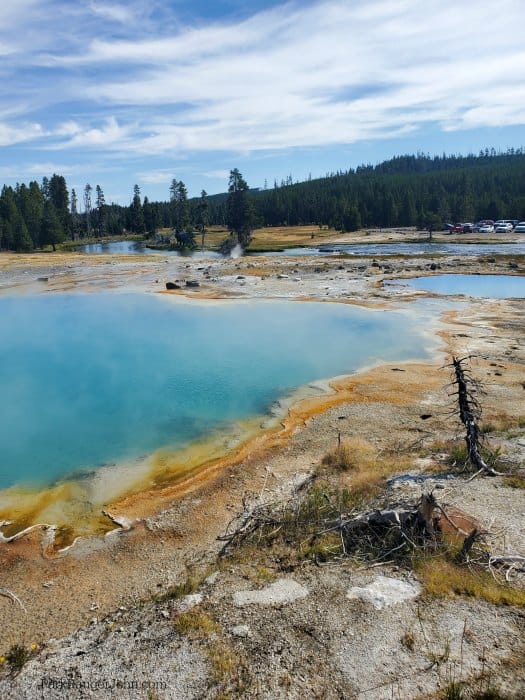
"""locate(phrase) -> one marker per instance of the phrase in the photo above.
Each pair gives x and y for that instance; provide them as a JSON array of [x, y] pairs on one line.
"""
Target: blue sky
[[118, 93]]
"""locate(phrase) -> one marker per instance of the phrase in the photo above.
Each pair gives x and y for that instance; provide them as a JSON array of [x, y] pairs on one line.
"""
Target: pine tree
[[59, 196], [8, 214], [100, 211], [75, 223], [202, 215], [87, 207], [179, 206], [21, 239], [240, 212], [31, 205], [137, 214], [150, 217], [52, 231]]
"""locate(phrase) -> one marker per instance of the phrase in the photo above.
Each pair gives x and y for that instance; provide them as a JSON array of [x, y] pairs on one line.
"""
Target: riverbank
[[177, 535]]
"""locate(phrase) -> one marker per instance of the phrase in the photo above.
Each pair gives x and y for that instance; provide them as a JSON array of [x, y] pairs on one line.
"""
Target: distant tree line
[[409, 190], [405, 191]]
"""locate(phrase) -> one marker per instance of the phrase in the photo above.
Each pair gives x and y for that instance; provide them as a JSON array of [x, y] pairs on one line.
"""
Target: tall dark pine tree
[[87, 207], [52, 231], [59, 196], [100, 212], [179, 206], [21, 237], [151, 219], [32, 208], [137, 214], [240, 209], [75, 223], [202, 215], [8, 216]]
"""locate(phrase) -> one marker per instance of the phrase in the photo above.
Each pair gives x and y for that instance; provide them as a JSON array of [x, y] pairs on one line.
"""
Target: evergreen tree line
[[405, 191], [35, 216], [410, 190]]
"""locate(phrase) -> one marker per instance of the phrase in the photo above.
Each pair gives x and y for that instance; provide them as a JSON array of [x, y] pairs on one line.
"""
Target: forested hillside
[[405, 191], [409, 190]]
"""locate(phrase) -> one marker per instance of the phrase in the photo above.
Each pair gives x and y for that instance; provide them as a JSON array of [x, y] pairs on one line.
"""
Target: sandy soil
[[310, 650]]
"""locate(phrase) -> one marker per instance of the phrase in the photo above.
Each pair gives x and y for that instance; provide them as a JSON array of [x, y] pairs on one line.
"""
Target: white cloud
[[10, 135], [324, 73], [116, 13], [217, 174], [156, 177], [107, 136]]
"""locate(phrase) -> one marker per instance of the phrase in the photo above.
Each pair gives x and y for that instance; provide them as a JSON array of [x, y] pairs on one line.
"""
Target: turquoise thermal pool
[[491, 286], [91, 380]]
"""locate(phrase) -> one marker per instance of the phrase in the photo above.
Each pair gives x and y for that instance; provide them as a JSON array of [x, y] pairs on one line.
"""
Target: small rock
[[280, 592], [211, 579], [165, 614], [192, 283], [384, 591], [190, 601], [172, 285], [241, 631]]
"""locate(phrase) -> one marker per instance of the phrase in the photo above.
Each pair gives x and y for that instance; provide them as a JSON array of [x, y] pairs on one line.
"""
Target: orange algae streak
[[76, 507]]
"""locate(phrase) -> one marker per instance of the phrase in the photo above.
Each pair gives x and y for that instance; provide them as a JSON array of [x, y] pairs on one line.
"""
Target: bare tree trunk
[[467, 414]]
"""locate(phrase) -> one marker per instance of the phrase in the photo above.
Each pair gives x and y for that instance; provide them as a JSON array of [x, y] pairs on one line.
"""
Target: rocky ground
[[153, 613]]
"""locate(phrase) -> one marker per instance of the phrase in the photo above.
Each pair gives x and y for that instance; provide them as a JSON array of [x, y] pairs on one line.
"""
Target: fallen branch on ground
[[14, 598]]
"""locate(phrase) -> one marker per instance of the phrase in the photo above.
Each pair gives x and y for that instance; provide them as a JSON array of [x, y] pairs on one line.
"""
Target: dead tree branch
[[469, 413], [14, 598]]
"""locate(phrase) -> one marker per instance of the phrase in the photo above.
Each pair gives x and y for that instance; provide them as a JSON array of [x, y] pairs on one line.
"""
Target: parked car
[[468, 228], [503, 226], [486, 228], [520, 227]]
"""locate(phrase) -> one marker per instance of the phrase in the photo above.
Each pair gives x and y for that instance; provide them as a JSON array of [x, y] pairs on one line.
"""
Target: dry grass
[[351, 455], [361, 468], [195, 624], [503, 423], [228, 667], [515, 481], [190, 585], [278, 237], [442, 577]]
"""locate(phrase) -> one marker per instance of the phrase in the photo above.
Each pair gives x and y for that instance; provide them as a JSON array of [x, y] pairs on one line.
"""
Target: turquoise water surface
[[94, 379], [493, 286]]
